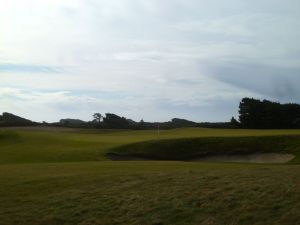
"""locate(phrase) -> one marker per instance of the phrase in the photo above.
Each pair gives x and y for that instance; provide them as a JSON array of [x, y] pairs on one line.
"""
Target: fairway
[[63, 176], [42, 145]]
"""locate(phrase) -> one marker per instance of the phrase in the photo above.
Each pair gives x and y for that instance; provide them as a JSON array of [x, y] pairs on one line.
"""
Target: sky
[[146, 59]]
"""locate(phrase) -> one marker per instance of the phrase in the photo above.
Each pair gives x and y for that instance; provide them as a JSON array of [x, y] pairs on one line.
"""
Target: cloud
[[274, 82], [153, 59], [23, 68]]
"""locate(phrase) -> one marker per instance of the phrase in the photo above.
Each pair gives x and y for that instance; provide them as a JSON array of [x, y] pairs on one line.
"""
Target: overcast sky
[[150, 59]]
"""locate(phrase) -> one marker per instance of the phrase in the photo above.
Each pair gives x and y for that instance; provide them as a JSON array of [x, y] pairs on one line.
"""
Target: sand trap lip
[[116, 157], [248, 158]]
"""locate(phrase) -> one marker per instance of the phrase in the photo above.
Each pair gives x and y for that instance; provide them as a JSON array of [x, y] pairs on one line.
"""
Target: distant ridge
[[110, 121], [9, 119]]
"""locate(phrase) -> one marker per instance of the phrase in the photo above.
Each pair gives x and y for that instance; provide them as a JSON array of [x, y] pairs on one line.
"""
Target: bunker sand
[[249, 158], [245, 158]]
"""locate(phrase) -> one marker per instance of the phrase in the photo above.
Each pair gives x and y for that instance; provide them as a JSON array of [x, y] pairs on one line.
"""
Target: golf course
[[58, 176], [149, 112]]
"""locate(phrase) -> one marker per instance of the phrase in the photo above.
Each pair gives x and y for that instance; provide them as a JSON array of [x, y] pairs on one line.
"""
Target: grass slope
[[43, 145], [191, 148]]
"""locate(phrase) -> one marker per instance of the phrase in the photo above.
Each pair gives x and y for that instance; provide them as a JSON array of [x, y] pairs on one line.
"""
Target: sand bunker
[[250, 158], [116, 157]]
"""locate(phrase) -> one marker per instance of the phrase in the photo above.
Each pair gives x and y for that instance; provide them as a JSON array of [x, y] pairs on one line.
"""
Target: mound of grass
[[190, 148], [50, 145]]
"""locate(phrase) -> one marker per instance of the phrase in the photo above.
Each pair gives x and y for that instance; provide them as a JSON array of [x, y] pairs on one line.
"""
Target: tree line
[[113, 121], [253, 114]]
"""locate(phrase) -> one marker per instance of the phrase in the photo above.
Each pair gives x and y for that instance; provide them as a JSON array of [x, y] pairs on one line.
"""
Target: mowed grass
[[61, 176], [40, 145]]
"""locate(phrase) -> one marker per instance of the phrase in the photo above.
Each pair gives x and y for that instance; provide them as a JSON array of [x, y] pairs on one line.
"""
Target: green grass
[[193, 148], [71, 145], [149, 193], [62, 177]]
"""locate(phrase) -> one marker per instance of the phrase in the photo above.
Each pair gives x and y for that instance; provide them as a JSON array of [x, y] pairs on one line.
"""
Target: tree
[[250, 113], [114, 121], [268, 115], [234, 122], [97, 117]]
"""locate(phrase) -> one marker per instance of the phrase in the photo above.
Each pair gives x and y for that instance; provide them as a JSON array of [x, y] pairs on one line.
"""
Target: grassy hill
[[38, 145], [195, 148], [62, 176]]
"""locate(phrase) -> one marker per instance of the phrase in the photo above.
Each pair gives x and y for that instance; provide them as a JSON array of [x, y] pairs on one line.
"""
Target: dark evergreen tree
[[114, 121], [266, 114]]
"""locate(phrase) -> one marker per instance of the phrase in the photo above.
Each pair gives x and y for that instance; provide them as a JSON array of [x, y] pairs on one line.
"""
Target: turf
[[62, 176], [149, 193]]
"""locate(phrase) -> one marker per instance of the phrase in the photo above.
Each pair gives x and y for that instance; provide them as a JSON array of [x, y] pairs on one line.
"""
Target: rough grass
[[8, 135], [149, 193], [62, 177]]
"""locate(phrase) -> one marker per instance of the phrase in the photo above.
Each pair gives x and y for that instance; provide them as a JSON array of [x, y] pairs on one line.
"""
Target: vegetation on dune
[[9, 120]]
